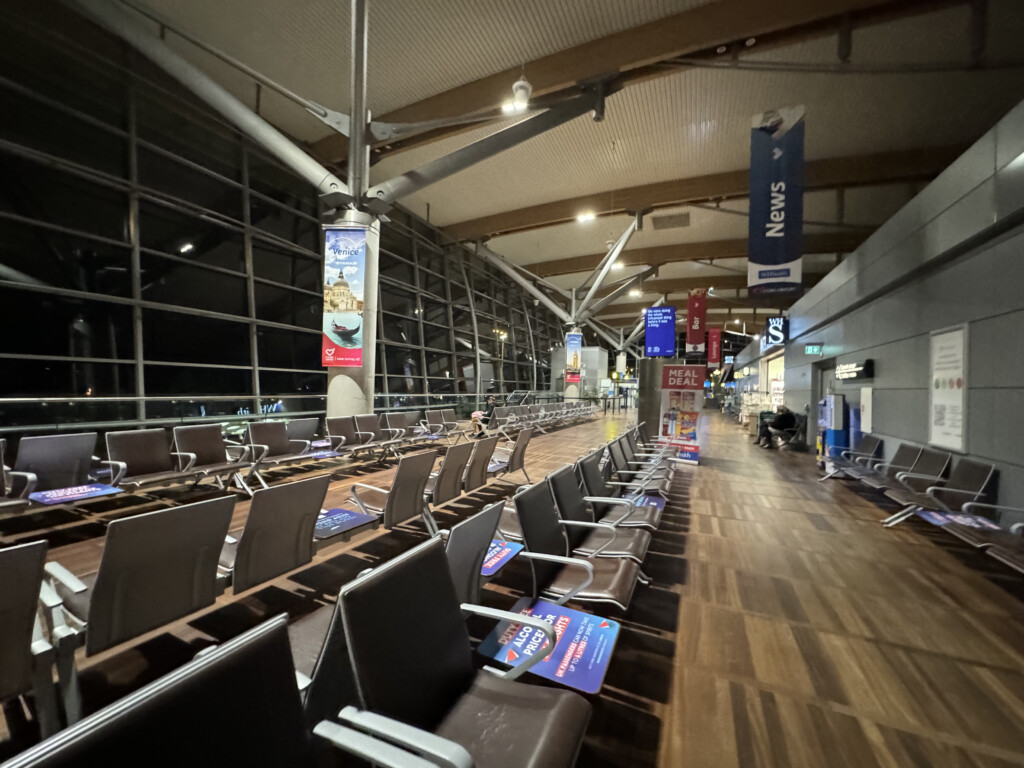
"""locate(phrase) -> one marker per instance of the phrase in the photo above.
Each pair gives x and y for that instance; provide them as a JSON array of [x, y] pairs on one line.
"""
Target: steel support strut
[[613, 254]]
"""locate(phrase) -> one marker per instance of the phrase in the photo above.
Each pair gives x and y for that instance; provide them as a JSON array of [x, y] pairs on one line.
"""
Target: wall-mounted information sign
[[660, 332], [948, 389], [864, 369]]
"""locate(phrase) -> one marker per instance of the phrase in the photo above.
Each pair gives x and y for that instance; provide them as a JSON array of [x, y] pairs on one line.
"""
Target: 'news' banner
[[714, 347], [775, 245], [344, 283], [660, 332], [696, 310]]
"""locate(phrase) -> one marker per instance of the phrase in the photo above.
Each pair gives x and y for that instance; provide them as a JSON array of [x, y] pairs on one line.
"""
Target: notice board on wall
[[947, 389]]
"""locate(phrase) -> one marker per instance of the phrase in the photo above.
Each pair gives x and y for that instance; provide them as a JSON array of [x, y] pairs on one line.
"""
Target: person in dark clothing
[[485, 418], [784, 419]]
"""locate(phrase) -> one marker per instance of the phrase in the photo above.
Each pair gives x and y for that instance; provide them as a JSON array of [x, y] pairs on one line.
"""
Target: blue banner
[[583, 644], [960, 518], [660, 332], [498, 555], [334, 522], [775, 245], [75, 493]]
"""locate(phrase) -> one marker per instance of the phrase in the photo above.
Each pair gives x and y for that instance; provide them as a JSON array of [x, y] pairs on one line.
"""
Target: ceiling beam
[[855, 171], [718, 282], [637, 54], [714, 302], [826, 242]]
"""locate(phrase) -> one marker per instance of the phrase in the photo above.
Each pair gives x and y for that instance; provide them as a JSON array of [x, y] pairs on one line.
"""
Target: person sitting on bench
[[784, 419]]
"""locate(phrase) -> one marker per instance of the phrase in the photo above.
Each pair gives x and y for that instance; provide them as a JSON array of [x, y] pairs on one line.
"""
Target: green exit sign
[[812, 349]]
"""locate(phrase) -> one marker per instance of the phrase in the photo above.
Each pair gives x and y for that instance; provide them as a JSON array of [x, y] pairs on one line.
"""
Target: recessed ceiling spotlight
[[585, 216], [186, 248], [634, 292], [721, 49], [750, 42], [617, 265]]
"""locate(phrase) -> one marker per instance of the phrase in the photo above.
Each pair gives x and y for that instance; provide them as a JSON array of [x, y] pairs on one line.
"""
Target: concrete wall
[[954, 254]]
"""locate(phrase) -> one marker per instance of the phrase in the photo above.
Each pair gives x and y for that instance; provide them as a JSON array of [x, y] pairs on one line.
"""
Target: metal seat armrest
[[31, 481], [243, 456], [303, 446], [903, 477], [367, 434], [189, 464], [615, 500], [383, 741], [517, 618], [117, 470], [974, 507], [396, 433], [59, 573], [263, 451], [361, 503], [936, 490], [584, 524], [572, 561], [337, 441]]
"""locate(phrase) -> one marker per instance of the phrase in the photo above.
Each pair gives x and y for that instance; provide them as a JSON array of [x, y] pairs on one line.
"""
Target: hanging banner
[[714, 347], [660, 332], [775, 244], [696, 309], [682, 398], [344, 278], [948, 389], [573, 354]]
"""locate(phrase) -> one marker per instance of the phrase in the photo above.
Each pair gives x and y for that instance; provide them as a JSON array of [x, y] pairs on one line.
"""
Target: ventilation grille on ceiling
[[671, 221]]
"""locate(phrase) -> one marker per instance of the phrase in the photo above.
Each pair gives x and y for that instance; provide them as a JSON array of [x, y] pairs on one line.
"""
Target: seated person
[[480, 421], [784, 419]]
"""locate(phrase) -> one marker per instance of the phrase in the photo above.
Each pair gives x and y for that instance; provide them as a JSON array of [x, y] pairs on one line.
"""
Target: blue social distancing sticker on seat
[[583, 646], [648, 501], [335, 521], [74, 493], [970, 521], [499, 553]]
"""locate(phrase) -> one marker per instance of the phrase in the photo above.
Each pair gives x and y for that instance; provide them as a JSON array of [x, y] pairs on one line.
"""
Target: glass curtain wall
[[155, 266]]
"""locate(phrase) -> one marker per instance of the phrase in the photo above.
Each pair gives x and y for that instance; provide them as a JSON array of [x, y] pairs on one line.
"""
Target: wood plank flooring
[[785, 626]]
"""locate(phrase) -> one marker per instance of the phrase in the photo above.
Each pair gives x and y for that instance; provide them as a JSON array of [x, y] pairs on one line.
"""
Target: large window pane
[[51, 378], [164, 380], [47, 324], [285, 224], [400, 329], [395, 269], [288, 267], [279, 348], [281, 383], [281, 305], [178, 337], [436, 336], [169, 230], [186, 133], [164, 174], [168, 281]]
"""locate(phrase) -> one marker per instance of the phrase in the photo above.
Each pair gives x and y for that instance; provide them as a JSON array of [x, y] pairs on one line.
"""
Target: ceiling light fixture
[[617, 265], [586, 216], [186, 248], [634, 291], [521, 91]]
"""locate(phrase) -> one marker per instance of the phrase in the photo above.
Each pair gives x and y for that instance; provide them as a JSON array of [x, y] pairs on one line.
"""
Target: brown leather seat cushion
[[614, 579], [505, 724], [628, 543], [78, 603], [158, 477]]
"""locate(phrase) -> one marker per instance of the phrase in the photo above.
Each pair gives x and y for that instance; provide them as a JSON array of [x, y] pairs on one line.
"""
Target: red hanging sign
[[682, 377], [696, 309], [714, 346]]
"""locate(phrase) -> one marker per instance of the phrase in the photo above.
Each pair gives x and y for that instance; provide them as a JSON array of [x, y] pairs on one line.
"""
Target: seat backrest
[[542, 533], [156, 567], [517, 458], [593, 479], [435, 418], [58, 461], [344, 426], [476, 471], [631, 441], [449, 415], [869, 445], [411, 590], [278, 533], [929, 462], [405, 498], [448, 483], [466, 548], [641, 429], [618, 458], [3, 475], [303, 429], [21, 573], [246, 685], [501, 413], [970, 475], [204, 440], [368, 422], [144, 451], [904, 457], [565, 487], [273, 434]]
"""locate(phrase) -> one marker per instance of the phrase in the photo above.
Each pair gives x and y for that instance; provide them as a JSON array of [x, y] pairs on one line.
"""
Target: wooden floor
[[785, 626]]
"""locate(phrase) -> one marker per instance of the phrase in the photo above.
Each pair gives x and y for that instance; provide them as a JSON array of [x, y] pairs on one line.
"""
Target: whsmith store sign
[[776, 333]]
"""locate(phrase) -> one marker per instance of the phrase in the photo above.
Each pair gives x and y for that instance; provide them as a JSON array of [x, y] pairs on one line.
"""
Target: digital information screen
[[660, 332]]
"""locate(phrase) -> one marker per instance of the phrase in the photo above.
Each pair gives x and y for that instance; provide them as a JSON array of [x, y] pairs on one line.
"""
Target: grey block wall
[[953, 255]]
